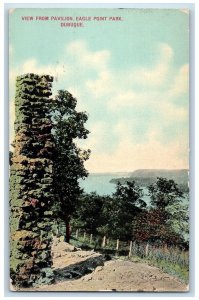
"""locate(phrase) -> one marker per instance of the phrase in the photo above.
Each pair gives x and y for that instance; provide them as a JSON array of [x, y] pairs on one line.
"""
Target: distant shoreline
[[146, 177], [139, 170]]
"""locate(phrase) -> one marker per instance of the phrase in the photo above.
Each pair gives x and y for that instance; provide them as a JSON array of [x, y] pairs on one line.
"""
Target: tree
[[68, 126], [121, 210], [179, 219], [164, 192], [169, 211], [88, 215]]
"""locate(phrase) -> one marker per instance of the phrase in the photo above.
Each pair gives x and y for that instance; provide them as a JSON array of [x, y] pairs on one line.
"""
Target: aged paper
[[99, 162]]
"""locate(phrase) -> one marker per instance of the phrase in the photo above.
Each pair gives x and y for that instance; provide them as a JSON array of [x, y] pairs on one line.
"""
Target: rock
[[76, 274], [62, 238], [66, 275], [29, 201], [87, 278], [77, 249], [76, 263], [100, 268]]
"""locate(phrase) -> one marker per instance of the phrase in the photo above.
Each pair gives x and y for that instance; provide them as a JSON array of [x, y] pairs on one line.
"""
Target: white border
[[4, 155]]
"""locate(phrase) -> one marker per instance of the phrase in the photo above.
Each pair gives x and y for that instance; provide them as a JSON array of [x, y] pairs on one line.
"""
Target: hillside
[[145, 177], [77, 270]]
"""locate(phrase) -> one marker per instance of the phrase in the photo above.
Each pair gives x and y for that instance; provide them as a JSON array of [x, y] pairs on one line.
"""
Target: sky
[[130, 76]]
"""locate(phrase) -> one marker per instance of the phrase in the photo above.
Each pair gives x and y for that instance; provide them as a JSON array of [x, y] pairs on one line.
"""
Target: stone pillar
[[31, 193]]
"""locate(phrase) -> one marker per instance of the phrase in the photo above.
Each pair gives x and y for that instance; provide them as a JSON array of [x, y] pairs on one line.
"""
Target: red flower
[[33, 202]]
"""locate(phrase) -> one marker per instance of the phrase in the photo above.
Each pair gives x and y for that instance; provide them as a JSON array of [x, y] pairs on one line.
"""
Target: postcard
[[99, 149]]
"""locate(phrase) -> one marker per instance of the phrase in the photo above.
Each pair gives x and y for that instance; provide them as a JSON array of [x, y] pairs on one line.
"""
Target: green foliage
[[179, 219], [164, 192], [88, 213], [68, 125], [123, 215], [171, 215], [130, 194], [172, 260], [121, 211], [174, 268], [110, 216]]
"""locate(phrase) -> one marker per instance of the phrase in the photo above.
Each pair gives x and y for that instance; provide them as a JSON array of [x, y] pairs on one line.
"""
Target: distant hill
[[145, 177], [113, 174]]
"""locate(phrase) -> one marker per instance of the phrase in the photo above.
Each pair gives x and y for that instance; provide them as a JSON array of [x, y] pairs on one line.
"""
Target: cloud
[[136, 86], [181, 82], [133, 112], [130, 156], [97, 135], [60, 71], [101, 86], [77, 93], [123, 100], [31, 66], [116, 83], [156, 75], [166, 52], [172, 113], [153, 89], [82, 54]]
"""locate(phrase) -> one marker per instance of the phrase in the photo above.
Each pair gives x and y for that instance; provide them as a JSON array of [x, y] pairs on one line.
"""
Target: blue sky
[[130, 76]]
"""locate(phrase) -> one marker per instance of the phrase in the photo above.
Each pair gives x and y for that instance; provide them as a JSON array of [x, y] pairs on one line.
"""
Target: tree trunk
[[67, 238]]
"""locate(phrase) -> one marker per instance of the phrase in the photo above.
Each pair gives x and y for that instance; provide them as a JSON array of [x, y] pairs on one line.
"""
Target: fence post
[[130, 249], [76, 234], [57, 230], [91, 238], [104, 241], [117, 245], [147, 249], [84, 235]]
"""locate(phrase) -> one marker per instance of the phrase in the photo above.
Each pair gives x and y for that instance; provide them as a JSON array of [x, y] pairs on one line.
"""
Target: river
[[100, 183]]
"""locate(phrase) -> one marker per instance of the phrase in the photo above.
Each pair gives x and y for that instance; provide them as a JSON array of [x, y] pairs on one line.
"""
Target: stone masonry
[[31, 193]]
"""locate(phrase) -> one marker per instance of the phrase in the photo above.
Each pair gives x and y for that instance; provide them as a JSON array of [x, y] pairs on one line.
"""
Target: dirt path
[[120, 275], [113, 275]]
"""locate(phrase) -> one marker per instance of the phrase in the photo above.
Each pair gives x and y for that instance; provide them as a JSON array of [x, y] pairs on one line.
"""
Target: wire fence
[[116, 247]]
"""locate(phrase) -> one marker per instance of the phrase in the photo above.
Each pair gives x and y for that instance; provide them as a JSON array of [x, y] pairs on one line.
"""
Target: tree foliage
[[68, 126], [88, 214], [170, 212], [124, 215], [164, 192], [111, 215], [126, 204]]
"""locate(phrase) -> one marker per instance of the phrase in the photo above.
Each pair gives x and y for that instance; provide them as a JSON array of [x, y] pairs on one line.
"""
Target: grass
[[170, 260], [174, 269]]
